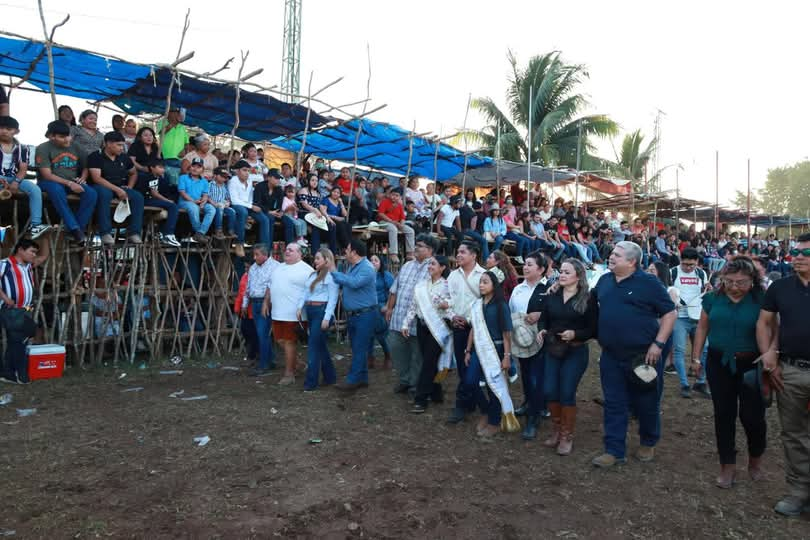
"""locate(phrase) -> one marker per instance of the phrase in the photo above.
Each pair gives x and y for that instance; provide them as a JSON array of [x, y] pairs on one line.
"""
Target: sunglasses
[[803, 252]]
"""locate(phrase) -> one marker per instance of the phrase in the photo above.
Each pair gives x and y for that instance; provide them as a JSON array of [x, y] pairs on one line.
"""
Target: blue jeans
[[170, 224], [104, 212], [361, 328], [685, 327], [582, 251], [562, 375], [532, 371], [522, 247], [466, 398], [289, 229], [262, 222], [219, 213], [34, 199], [266, 354], [380, 334], [478, 237], [193, 211], [318, 358], [620, 396], [490, 405], [57, 193]]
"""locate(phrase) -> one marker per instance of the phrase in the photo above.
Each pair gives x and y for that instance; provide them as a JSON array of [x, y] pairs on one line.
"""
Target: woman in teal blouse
[[728, 320]]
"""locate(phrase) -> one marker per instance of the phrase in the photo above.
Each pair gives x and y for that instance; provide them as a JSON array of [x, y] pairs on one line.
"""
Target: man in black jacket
[[268, 195]]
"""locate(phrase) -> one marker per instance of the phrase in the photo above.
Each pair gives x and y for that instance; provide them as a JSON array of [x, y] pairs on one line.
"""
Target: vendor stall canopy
[[142, 89]]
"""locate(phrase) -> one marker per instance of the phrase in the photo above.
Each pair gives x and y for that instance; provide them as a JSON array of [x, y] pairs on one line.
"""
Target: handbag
[[556, 347]]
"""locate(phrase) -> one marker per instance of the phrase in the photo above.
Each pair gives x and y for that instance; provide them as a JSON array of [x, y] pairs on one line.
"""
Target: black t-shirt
[[266, 200], [138, 151], [147, 182], [791, 300], [115, 171], [465, 214]]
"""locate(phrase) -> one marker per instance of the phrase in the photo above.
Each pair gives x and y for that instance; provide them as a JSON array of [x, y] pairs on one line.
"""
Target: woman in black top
[[144, 149], [567, 321]]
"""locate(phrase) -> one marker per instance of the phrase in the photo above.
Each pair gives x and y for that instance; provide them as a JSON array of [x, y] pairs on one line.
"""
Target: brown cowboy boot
[[569, 417], [556, 412]]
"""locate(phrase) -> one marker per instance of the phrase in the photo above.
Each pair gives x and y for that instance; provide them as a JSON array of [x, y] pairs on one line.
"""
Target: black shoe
[[260, 373], [702, 389], [77, 237], [545, 413], [23, 380], [437, 396], [670, 370], [418, 408], [412, 393], [456, 416], [530, 431], [9, 379], [523, 409], [685, 393], [401, 388]]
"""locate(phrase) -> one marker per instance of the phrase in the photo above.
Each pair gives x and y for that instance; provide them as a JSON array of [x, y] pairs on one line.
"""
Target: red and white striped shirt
[[17, 281]]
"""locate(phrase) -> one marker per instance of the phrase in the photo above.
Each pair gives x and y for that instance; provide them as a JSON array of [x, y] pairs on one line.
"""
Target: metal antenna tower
[[656, 187], [291, 52]]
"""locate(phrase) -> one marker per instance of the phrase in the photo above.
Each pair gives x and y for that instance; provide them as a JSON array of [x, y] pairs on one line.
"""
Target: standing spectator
[[464, 284], [360, 303], [405, 351], [241, 192], [151, 186], [61, 170], [65, 114], [450, 223], [220, 198], [430, 308], [630, 298], [500, 260], [13, 166], [193, 188], [257, 296], [318, 303], [86, 136], [383, 283], [785, 352], [661, 247], [392, 217], [246, 324], [567, 321], [144, 149], [691, 283], [17, 292], [286, 290], [174, 136], [469, 221], [729, 318], [112, 174], [201, 152]]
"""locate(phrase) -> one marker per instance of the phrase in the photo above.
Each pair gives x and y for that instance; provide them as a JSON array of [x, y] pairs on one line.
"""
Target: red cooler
[[45, 361]]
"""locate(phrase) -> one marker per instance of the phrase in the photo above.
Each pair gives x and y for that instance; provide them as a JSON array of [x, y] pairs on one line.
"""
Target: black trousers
[[454, 238], [729, 397], [431, 351]]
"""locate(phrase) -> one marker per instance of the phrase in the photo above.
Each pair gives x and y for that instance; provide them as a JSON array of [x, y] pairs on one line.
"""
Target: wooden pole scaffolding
[[300, 158], [748, 217], [177, 61], [579, 161], [359, 129], [497, 163], [717, 192], [411, 135], [466, 157], [677, 200], [237, 93], [49, 52]]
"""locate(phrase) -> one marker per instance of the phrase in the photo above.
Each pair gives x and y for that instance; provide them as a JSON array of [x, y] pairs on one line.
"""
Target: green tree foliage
[[786, 192]]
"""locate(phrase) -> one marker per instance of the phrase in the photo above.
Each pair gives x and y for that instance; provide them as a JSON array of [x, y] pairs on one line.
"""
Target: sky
[[728, 78]]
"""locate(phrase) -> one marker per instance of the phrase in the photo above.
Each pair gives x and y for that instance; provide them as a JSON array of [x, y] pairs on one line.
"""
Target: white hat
[[122, 211], [524, 337], [316, 221]]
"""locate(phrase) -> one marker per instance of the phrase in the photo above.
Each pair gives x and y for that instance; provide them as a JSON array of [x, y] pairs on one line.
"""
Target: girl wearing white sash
[[431, 306], [488, 355]]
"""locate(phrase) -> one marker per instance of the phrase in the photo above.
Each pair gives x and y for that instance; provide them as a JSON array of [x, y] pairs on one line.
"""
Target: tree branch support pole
[[300, 158], [677, 199], [497, 164], [237, 97], [529, 148], [466, 157], [177, 61], [49, 52], [359, 129], [717, 193], [748, 217], [579, 163], [411, 135]]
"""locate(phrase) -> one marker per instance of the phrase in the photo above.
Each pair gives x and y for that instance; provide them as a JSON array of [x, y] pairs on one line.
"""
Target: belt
[[257, 298], [316, 303], [352, 313], [801, 363]]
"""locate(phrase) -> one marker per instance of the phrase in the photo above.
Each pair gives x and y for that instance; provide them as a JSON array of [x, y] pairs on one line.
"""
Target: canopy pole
[[748, 219], [244, 56], [359, 129], [717, 192], [410, 154], [464, 131], [677, 200], [186, 24], [300, 157], [553, 170], [497, 165], [49, 51], [579, 161], [529, 148]]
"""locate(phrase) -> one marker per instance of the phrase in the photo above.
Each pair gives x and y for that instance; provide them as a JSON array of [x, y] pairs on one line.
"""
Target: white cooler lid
[[46, 349]]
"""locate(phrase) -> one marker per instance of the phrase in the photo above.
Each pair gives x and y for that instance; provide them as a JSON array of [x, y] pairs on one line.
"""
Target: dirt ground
[[97, 461]]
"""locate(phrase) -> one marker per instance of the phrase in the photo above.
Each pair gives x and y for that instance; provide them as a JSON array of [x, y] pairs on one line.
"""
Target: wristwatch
[[660, 344]]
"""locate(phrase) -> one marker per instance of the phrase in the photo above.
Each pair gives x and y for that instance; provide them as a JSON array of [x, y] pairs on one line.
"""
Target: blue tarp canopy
[[385, 147], [142, 89]]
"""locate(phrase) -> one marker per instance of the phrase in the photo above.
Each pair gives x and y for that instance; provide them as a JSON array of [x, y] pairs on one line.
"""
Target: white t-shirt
[[448, 216], [287, 285], [690, 291], [257, 171]]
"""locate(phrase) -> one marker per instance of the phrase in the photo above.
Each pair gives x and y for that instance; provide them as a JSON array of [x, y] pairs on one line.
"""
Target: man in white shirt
[[691, 283], [287, 286], [463, 284], [240, 189], [449, 223]]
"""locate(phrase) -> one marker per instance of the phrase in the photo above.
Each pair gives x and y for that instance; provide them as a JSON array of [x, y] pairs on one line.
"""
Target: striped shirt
[[217, 193], [258, 283], [409, 275], [17, 282]]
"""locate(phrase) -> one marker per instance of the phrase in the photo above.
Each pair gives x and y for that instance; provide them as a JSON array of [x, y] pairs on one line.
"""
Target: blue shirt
[[629, 311], [496, 226], [193, 188], [325, 291], [359, 286], [384, 282]]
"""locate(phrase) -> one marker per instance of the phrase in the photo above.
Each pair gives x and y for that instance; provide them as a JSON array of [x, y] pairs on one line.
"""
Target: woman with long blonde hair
[[319, 301]]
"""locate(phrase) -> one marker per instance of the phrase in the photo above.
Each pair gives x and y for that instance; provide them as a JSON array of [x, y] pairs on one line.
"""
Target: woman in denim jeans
[[318, 302]]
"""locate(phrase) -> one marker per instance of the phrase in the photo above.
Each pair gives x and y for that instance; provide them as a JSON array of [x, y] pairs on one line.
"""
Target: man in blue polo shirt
[[636, 316], [360, 302]]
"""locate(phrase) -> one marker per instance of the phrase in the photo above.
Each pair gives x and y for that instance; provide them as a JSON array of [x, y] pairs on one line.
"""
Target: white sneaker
[[303, 242], [169, 240], [39, 230], [519, 260]]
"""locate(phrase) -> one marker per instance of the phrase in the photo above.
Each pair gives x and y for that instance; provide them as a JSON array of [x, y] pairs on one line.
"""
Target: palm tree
[[556, 119], [632, 161]]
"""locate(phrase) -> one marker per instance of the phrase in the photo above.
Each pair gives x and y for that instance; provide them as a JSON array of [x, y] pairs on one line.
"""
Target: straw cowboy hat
[[316, 221], [524, 337]]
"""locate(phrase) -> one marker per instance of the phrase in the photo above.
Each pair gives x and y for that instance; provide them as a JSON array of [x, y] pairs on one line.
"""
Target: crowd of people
[[458, 305]]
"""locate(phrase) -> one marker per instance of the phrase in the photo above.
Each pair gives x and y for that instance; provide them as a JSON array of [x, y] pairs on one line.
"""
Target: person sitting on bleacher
[[391, 214], [241, 192], [61, 170], [13, 166], [193, 190], [152, 185], [113, 175], [220, 197]]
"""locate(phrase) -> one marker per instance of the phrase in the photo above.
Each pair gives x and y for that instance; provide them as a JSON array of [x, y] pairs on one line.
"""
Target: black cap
[[58, 127], [198, 161], [241, 164], [9, 122], [113, 136], [222, 171]]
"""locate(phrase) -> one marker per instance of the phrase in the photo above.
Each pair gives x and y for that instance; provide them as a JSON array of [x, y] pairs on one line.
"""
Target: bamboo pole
[[717, 192], [464, 131], [359, 129], [410, 150], [186, 24], [529, 148], [300, 157], [497, 163], [49, 52], [748, 197], [579, 162], [237, 96]]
